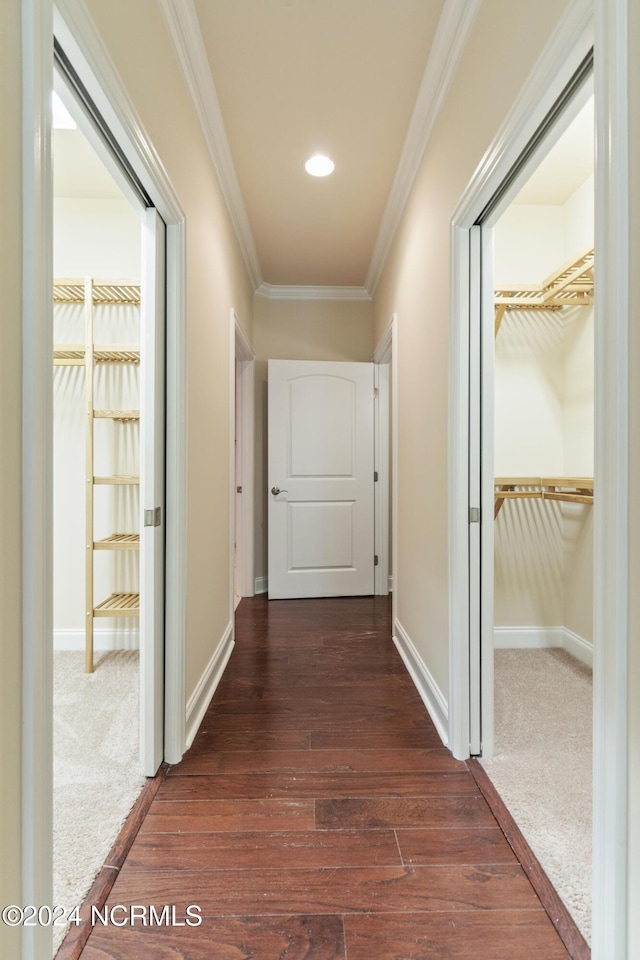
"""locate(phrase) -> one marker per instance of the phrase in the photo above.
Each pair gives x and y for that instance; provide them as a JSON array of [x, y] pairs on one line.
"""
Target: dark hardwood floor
[[318, 816]]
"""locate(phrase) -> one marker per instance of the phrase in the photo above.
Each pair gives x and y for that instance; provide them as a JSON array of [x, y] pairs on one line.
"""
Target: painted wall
[[415, 284], [544, 423], [92, 235], [138, 42], [299, 330], [102, 239], [10, 478]]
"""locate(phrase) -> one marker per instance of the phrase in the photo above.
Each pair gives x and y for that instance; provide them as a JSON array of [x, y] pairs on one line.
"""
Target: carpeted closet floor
[[96, 774], [542, 766]]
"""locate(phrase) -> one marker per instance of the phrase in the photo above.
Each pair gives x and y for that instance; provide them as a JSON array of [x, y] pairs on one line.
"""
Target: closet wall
[[544, 426], [100, 238], [299, 330]]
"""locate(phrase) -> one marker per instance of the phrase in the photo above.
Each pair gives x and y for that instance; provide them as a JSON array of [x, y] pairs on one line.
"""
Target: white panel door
[[152, 472], [320, 479]]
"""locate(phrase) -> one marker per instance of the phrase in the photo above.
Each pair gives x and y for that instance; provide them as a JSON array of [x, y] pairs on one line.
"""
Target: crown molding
[[451, 36], [184, 30], [274, 292]]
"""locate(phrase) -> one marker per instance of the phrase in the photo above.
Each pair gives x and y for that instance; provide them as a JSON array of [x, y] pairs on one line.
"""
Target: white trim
[[577, 646], [283, 292], [454, 28], [382, 358], [538, 638], [611, 507], [175, 652], [184, 30], [206, 687], [394, 465], [104, 638], [262, 585], [527, 638], [384, 348], [242, 454], [429, 691], [37, 471]]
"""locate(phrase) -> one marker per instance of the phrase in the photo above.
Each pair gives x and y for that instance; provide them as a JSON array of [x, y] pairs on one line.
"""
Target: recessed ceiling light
[[319, 166], [62, 119]]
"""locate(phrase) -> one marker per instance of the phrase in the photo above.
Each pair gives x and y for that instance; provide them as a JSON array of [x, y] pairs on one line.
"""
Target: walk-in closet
[[96, 317], [544, 493]]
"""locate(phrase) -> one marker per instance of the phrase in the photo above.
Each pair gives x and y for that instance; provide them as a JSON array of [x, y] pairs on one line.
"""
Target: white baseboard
[[578, 647], [523, 638], [511, 638], [206, 687], [426, 686], [104, 638], [262, 585]]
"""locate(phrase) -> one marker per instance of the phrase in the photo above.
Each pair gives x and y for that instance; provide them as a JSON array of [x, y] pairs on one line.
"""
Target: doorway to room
[[108, 472], [543, 466]]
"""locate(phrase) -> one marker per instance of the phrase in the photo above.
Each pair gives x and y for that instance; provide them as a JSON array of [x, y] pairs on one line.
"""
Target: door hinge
[[153, 517], [375, 476], [238, 489], [474, 514], [375, 560]]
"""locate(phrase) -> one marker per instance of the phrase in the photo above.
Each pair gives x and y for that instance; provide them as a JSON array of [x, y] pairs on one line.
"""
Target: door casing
[[562, 57], [242, 459], [75, 29]]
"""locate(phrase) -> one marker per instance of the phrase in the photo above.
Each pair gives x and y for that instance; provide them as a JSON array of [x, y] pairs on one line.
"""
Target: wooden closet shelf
[[565, 489], [68, 355], [103, 291], [117, 354], [118, 541], [117, 480], [122, 416], [570, 286], [74, 354], [119, 605]]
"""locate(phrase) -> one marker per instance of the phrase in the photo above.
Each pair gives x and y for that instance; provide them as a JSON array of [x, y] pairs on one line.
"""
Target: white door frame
[[385, 360], [85, 47], [559, 61], [242, 459]]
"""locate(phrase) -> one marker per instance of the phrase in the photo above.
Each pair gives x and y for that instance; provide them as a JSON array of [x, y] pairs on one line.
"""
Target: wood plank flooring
[[318, 816]]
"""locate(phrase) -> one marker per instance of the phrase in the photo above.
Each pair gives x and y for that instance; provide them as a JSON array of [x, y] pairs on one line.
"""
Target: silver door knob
[[276, 490]]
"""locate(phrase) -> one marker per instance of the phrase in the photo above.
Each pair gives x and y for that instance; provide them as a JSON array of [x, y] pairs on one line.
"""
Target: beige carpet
[[542, 765], [96, 772]]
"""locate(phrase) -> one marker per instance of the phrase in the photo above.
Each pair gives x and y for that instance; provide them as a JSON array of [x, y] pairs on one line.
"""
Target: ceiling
[[298, 77], [275, 81]]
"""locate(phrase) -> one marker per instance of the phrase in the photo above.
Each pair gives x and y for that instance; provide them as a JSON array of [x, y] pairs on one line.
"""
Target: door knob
[[276, 490]]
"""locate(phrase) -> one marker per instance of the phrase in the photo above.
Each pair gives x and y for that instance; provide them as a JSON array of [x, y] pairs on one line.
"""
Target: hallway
[[318, 816]]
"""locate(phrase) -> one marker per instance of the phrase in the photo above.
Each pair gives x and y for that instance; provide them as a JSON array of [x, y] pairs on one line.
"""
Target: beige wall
[[299, 330], [507, 39], [634, 485], [139, 44], [10, 447]]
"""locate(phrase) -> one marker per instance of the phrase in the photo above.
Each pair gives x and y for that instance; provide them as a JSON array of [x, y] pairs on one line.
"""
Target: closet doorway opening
[[543, 386], [108, 454]]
